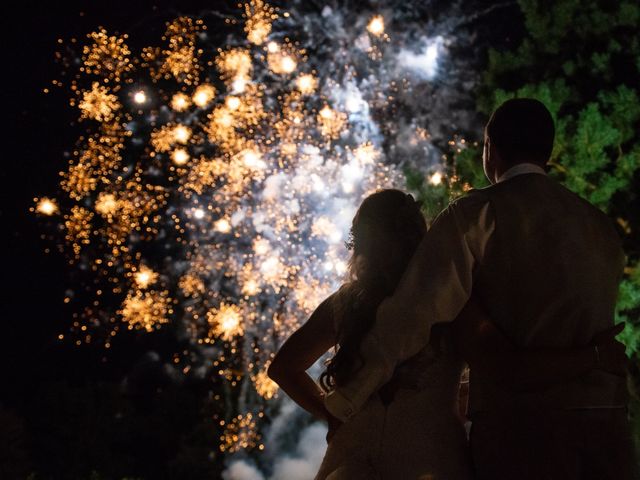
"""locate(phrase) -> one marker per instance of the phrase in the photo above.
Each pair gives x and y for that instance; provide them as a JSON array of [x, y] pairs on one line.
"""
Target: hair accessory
[[351, 241]]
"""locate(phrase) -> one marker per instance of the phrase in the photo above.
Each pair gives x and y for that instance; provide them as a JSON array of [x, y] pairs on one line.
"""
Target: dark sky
[[36, 134]]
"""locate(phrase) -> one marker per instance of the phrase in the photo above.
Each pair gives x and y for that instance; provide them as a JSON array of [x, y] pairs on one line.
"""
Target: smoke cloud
[[300, 464]]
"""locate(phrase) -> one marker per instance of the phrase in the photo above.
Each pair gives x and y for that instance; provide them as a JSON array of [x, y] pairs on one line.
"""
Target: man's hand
[[611, 353], [334, 424]]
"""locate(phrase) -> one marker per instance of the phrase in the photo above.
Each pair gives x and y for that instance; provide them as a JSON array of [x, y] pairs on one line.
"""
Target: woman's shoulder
[[345, 291]]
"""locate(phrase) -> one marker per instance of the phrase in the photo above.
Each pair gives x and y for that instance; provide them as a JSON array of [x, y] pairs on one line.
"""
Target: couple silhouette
[[518, 281]]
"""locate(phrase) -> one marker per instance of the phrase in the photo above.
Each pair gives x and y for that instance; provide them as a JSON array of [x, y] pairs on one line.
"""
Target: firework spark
[[46, 206], [240, 433], [376, 25], [146, 310], [226, 322]]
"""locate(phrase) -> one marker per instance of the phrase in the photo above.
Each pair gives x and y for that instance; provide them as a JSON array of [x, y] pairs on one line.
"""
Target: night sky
[[34, 362], [38, 132]]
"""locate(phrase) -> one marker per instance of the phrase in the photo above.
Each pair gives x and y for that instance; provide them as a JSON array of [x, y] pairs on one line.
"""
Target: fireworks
[[226, 321], [266, 387], [252, 159], [98, 103], [203, 95], [233, 103], [145, 277], [435, 178], [223, 225], [331, 122], [240, 433], [259, 17], [140, 97], [376, 25], [106, 55], [146, 310], [225, 182], [181, 134], [180, 102], [180, 156], [235, 67], [79, 181], [46, 206], [306, 83], [78, 227], [281, 60], [106, 204]]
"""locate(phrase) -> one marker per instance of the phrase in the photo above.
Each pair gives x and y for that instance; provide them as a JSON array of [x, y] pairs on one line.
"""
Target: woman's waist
[[432, 395], [436, 398], [434, 385]]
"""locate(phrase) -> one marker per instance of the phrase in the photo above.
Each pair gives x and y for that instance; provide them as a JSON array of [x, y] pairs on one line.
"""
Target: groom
[[545, 265]]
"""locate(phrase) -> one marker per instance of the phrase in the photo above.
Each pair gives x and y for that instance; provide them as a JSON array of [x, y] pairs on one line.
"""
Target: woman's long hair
[[385, 233]]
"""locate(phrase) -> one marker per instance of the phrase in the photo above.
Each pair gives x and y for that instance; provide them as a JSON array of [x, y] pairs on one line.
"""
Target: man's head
[[521, 130]]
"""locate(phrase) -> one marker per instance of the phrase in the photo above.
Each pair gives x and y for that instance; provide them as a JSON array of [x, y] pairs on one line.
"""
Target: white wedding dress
[[417, 436]]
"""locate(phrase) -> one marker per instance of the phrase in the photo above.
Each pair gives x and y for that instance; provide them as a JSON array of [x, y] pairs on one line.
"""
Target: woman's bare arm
[[488, 350], [289, 367]]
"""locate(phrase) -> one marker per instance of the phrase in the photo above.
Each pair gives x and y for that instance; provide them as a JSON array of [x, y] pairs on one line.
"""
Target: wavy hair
[[385, 233]]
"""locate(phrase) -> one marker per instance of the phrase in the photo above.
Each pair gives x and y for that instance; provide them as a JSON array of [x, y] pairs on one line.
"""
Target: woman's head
[[386, 230]]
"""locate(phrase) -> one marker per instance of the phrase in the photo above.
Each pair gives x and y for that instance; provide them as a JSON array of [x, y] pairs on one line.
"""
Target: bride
[[412, 428]]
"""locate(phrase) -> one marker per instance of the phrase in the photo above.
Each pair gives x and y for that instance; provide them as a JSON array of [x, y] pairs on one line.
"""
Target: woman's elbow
[[275, 370]]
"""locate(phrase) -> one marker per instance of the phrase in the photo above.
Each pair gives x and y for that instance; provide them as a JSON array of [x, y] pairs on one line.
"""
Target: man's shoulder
[[581, 205], [543, 189], [472, 200], [470, 209], [585, 204]]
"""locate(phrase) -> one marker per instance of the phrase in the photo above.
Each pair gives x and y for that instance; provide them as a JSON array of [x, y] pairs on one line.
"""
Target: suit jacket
[[549, 279]]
